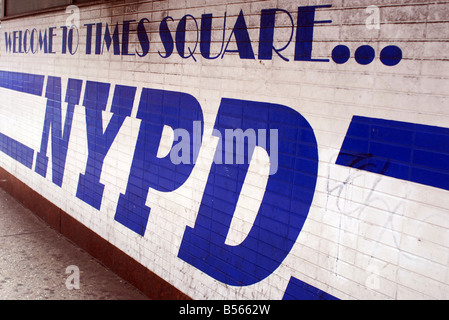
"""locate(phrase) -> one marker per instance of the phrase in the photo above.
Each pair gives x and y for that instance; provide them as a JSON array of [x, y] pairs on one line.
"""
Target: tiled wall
[[122, 123]]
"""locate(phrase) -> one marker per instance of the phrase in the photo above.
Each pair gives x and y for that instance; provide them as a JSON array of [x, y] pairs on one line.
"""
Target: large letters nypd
[[289, 191], [131, 119], [283, 210]]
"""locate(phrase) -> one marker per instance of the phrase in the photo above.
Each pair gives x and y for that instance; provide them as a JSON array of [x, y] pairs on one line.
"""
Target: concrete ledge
[[112, 257]]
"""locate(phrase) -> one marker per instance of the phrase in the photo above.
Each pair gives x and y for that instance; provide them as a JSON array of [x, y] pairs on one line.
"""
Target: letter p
[[157, 108]]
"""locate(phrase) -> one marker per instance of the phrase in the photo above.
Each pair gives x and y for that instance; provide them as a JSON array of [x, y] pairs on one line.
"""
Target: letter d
[[284, 206]]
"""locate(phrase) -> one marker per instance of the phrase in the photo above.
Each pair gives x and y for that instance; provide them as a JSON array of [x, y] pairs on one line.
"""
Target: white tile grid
[[366, 236]]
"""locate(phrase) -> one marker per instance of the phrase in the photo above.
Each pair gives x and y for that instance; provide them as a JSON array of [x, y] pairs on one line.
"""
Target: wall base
[[112, 257]]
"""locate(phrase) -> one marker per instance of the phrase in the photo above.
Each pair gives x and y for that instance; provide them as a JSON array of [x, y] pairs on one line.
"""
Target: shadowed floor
[[34, 260]]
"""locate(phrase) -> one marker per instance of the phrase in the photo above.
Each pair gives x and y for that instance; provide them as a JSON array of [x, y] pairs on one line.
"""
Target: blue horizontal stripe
[[407, 151], [22, 82], [16, 150]]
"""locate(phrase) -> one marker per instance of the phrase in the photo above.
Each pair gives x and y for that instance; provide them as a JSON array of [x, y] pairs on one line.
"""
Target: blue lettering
[[89, 37], [283, 209], [70, 44], [240, 32], [8, 42], [98, 42], [156, 109], [143, 38], [19, 41], [43, 41], [266, 38], [166, 38], [26, 48], [125, 38], [206, 36], [14, 41], [108, 39], [51, 35], [99, 141], [59, 138], [304, 33], [64, 39], [32, 40], [181, 38], [67, 40], [299, 290]]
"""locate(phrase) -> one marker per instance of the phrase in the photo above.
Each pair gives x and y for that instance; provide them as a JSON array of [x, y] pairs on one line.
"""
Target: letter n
[[53, 123]]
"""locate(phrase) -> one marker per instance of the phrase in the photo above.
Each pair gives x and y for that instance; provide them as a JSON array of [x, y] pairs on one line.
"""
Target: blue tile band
[[16, 150], [22, 82], [407, 151], [26, 83]]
